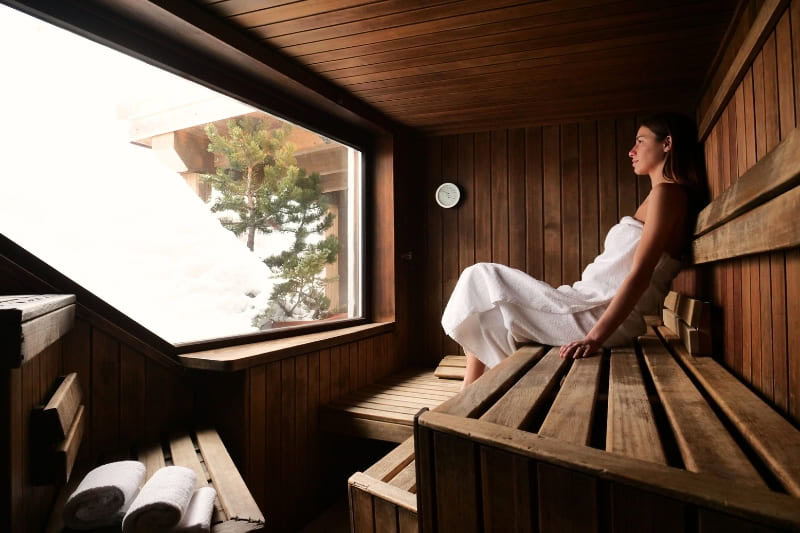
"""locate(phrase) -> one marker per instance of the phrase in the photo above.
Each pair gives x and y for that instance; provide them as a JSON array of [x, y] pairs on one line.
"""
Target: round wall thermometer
[[448, 194]]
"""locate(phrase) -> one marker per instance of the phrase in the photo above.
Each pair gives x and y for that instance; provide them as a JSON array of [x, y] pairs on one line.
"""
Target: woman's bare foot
[[474, 370]]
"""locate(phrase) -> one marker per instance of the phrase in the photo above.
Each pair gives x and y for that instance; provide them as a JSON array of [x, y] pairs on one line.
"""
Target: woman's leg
[[474, 370]]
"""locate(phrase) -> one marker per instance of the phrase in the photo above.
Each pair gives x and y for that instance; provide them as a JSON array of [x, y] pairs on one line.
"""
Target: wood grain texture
[[762, 25], [516, 407], [456, 473], [492, 384], [704, 443], [631, 428], [571, 416], [767, 432]]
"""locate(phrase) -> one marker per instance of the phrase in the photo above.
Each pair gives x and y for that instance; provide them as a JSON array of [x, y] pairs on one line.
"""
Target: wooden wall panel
[[284, 458], [540, 199], [756, 297]]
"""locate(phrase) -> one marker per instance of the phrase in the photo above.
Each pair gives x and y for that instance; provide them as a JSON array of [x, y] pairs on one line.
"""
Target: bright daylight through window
[[196, 215]]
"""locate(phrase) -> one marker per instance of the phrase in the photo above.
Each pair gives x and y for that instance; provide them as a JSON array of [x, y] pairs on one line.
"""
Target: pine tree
[[259, 180], [251, 151]]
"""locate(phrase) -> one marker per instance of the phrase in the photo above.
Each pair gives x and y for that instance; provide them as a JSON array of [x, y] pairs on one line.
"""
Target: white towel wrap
[[104, 494], [197, 518], [161, 502], [494, 307]]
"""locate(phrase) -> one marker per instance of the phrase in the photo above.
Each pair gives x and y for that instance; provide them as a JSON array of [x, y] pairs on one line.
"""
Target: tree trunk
[[251, 228]]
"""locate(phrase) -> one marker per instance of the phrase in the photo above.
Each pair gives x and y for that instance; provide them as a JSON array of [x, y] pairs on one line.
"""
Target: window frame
[[183, 39]]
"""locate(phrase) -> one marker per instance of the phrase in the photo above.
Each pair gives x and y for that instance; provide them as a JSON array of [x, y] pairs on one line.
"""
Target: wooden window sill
[[244, 356]]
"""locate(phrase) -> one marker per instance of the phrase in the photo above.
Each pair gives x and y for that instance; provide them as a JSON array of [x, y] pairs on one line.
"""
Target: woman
[[494, 307]]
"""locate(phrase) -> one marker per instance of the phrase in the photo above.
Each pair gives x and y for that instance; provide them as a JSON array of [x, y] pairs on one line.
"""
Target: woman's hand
[[579, 349]]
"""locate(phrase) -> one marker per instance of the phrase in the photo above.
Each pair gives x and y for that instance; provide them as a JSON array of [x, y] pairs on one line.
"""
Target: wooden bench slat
[[631, 429], [393, 462], [774, 439], [704, 443], [442, 386], [183, 454], [334, 421], [349, 402], [410, 390], [384, 491], [406, 479], [232, 491], [451, 372], [152, 457], [771, 226], [571, 414], [492, 384], [526, 396], [454, 360], [389, 399], [377, 414], [776, 172]]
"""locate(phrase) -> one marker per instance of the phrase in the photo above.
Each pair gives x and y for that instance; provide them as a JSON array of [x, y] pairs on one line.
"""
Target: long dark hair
[[684, 162]]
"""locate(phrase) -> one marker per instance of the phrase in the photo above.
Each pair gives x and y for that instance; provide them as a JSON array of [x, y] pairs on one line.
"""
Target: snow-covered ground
[[104, 212]]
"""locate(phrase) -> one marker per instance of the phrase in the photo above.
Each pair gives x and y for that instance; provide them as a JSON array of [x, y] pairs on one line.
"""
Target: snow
[[104, 212]]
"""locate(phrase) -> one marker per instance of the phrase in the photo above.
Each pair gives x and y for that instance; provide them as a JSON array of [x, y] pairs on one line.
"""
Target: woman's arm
[[666, 214]]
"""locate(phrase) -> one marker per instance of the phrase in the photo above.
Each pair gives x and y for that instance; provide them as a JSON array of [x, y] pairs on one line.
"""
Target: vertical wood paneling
[[466, 211], [105, 385], [450, 230], [589, 204], [626, 132], [315, 382], [534, 203], [274, 504], [607, 175], [483, 200], [499, 191], [257, 430], [570, 205], [552, 205], [433, 278], [288, 454], [302, 483], [516, 199], [761, 316], [132, 409], [793, 256]]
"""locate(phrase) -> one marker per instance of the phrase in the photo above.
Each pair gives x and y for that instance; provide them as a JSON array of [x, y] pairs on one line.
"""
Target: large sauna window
[[197, 215]]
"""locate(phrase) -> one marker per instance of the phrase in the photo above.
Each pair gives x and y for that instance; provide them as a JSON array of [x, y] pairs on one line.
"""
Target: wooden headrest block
[[60, 412], [694, 312], [671, 301], [67, 451]]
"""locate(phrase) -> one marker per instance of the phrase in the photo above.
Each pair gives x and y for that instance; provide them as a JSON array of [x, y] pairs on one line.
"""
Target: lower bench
[[385, 410], [202, 451]]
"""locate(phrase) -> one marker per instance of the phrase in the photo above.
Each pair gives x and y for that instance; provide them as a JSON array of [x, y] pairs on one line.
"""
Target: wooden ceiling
[[449, 66]]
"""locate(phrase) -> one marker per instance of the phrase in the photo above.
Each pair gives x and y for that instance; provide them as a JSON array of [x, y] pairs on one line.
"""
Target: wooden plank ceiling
[[448, 66]]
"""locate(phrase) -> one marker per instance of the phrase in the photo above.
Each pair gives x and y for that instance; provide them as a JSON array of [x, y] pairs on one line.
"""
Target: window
[[197, 215]]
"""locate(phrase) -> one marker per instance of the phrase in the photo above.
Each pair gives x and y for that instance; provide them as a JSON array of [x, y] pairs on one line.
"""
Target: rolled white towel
[[104, 495], [197, 518], [161, 502]]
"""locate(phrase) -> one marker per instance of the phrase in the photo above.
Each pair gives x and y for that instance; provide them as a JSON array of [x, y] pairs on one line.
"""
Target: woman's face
[[648, 153]]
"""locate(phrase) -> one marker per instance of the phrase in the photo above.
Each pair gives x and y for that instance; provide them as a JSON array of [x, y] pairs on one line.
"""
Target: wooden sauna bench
[[385, 410], [680, 444], [203, 451]]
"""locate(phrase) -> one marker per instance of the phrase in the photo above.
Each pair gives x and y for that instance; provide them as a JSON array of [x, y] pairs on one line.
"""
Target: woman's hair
[[683, 163]]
